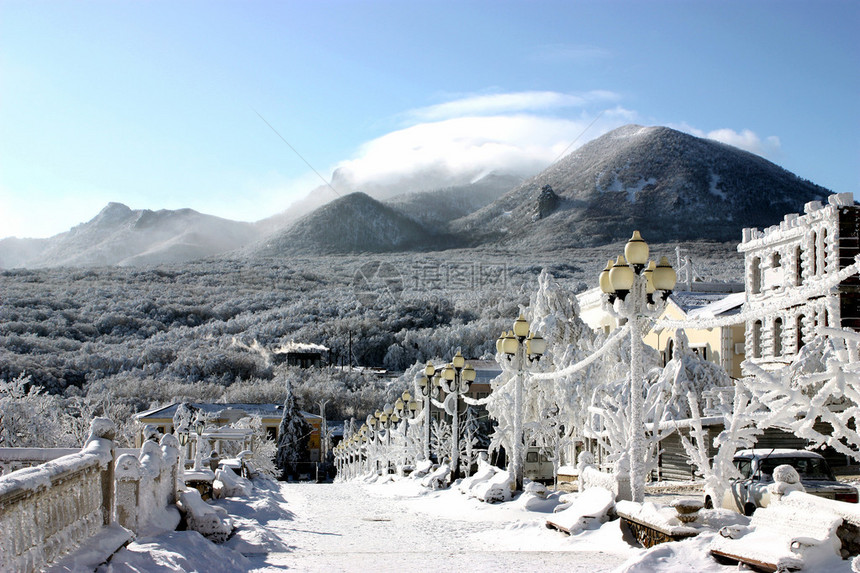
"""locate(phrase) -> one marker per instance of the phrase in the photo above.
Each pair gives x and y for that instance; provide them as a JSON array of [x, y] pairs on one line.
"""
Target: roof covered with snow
[[262, 410], [708, 304]]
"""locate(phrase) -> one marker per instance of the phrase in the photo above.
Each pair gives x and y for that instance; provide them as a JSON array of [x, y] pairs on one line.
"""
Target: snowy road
[[398, 527]]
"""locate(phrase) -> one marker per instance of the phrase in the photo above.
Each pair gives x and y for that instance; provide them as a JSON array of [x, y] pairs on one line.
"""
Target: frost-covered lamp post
[[630, 284], [388, 419], [182, 436], [521, 348], [456, 379], [199, 426], [428, 386], [372, 434], [407, 409]]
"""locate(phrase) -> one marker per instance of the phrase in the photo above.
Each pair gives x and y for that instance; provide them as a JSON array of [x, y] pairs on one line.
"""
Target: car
[[756, 467]]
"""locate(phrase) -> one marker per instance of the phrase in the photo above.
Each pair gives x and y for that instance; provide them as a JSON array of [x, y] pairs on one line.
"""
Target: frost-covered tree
[[293, 436], [821, 386], [740, 432], [440, 439]]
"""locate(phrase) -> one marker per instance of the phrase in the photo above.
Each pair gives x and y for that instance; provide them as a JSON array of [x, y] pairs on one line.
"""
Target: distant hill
[[669, 185], [438, 208], [119, 235], [356, 223]]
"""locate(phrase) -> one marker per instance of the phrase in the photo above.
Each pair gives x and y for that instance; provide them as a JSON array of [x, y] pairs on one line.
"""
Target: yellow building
[[219, 415], [722, 345]]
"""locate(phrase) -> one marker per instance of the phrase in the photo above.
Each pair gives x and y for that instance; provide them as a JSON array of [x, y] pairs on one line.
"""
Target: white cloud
[[462, 138], [770, 147], [493, 104]]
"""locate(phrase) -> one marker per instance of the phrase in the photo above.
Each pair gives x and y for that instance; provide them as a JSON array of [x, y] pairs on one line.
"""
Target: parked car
[[756, 467], [538, 467]]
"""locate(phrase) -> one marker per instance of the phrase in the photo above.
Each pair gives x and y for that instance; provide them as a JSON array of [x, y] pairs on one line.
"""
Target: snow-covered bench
[[652, 525], [780, 537], [589, 508]]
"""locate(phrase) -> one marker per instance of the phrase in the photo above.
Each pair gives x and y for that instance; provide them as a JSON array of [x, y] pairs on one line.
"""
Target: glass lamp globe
[[636, 250], [621, 275]]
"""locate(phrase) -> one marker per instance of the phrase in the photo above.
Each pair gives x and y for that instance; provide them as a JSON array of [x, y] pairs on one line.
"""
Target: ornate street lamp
[[630, 285], [521, 348], [199, 426], [428, 385], [456, 379]]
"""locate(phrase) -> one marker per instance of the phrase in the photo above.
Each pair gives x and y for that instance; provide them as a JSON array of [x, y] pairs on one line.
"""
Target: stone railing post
[[128, 491], [150, 466], [170, 470], [103, 432]]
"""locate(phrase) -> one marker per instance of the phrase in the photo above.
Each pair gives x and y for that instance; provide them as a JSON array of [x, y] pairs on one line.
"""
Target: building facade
[[783, 263]]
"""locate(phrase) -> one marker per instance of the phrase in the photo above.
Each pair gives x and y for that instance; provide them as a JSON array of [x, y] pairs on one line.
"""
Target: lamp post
[[199, 426], [428, 386], [456, 379], [407, 409], [182, 436], [372, 434], [630, 284], [518, 345]]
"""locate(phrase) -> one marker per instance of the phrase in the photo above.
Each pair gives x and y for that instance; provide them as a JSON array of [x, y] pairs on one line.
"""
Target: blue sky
[[154, 104]]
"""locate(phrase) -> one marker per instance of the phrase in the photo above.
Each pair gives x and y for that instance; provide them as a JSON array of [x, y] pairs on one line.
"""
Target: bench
[[650, 526], [778, 538]]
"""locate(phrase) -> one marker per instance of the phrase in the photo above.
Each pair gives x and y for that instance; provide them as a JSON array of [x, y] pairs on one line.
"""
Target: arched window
[[822, 251], [814, 257], [777, 337], [775, 261], [798, 266], [798, 333], [756, 339], [755, 275]]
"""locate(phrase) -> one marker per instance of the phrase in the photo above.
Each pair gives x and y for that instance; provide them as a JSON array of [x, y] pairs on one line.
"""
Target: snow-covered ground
[[400, 525]]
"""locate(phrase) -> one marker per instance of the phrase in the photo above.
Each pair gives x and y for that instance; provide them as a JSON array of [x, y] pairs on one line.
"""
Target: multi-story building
[[786, 263]]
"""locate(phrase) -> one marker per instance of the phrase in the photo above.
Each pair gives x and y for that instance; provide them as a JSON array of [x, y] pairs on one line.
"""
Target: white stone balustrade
[[50, 510]]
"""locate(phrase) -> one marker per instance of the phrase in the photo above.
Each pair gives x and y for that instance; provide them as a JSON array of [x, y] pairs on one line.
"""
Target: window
[[777, 337], [756, 339], [272, 432], [822, 252], [775, 261], [798, 266], [532, 457], [798, 333], [755, 275], [744, 467], [700, 351], [814, 258]]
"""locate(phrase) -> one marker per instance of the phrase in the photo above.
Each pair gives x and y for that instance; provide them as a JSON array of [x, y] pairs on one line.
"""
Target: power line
[[599, 115], [323, 179]]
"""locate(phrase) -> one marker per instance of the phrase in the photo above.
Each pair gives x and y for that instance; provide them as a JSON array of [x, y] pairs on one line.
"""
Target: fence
[[50, 510]]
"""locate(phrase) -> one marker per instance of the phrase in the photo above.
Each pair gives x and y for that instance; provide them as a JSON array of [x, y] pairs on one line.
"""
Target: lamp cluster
[[509, 343], [617, 277]]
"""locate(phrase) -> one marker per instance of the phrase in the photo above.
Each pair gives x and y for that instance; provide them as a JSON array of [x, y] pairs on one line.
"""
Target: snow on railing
[[48, 511], [12, 459]]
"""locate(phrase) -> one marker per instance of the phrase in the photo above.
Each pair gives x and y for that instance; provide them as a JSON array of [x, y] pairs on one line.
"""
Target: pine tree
[[293, 436]]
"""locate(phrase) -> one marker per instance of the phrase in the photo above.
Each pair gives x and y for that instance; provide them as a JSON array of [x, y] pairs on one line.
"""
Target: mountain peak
[[655, 179]]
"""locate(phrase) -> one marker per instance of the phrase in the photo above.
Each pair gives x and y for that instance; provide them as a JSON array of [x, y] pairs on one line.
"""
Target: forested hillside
[[126, 339]]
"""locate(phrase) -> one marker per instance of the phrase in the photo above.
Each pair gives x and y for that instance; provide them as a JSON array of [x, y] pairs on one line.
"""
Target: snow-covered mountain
[[668, 184], [119, 235], [356, 223]]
